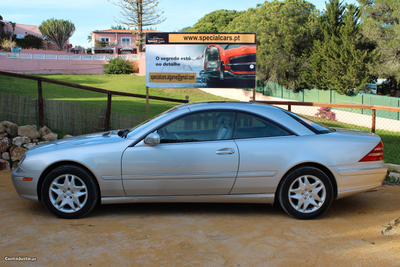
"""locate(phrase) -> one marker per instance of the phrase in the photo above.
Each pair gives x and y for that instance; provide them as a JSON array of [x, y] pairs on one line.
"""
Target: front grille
[[243, 63]]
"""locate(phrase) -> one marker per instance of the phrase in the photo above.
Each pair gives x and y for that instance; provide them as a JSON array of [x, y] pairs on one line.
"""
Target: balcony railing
[[105, 44], [127, 43], [113, 44]]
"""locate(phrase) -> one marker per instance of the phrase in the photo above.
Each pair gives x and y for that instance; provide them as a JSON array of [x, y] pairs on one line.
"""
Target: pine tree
[[284, 38], [139, 14], [339, 61], [381, 25], [216, 21]]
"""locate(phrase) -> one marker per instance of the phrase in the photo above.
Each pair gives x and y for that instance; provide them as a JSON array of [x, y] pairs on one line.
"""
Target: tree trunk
[[393, 88]]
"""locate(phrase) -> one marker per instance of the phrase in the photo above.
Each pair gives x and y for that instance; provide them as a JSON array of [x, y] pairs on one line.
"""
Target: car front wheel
[[69, 192], [305, 193]]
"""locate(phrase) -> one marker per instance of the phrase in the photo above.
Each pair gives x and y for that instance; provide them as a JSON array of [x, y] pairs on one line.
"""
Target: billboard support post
[[147, 104]]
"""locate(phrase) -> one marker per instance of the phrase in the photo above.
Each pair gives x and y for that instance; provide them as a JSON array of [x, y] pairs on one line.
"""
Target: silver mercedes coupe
[[230, 152]]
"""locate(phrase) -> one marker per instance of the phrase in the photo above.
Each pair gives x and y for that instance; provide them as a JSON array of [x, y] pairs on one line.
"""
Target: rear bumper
[[358, 178]]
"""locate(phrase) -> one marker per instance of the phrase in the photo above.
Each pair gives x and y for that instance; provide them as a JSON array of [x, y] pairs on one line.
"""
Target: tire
[[305, 193], [70, 192]]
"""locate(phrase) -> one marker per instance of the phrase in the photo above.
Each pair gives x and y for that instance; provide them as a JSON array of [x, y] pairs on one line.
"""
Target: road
[[349, 234]]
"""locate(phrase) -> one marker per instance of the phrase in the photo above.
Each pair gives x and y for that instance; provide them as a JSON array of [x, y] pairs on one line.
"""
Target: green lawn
[[121, 83]]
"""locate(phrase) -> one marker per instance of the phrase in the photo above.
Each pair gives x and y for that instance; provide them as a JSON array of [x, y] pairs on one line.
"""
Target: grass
[[392, 179], [121, 83]]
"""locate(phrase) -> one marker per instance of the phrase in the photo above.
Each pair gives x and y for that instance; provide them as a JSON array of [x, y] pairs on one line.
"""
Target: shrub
[[7, 45], [30, 41], [326, 113], [118, 66]]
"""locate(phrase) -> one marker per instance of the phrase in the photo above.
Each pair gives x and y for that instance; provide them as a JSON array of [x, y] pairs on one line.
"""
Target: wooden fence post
[[40, 103], [108, 113], [373, 120]]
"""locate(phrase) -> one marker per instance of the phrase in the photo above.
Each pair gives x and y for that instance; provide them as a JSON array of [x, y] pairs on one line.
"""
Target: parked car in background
[[230, 66], [371, 88], [231, 152]]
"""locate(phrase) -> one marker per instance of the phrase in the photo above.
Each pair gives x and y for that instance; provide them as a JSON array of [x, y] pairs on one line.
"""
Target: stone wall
[[16, 140]]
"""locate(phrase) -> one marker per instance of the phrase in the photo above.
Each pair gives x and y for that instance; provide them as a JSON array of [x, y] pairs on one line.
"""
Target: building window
[[104, 39], [125, 41]]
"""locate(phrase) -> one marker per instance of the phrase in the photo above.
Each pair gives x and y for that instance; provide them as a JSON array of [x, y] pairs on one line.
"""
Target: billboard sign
[[195, 60]]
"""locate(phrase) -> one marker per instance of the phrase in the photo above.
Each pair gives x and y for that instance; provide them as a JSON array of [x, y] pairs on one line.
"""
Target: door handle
[[225, 151]]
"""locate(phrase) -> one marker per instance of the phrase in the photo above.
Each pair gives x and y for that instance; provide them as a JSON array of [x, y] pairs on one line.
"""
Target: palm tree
[[13, 24]]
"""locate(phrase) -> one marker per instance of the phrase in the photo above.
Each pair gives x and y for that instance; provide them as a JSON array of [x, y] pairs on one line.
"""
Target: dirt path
[[349, 234]]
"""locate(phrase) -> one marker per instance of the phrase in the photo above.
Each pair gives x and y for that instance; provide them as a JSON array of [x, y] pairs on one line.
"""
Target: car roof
[[217, 104]]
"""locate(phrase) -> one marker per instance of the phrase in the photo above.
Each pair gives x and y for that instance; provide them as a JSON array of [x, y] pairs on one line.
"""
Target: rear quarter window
[[313, 126], [249, 126]]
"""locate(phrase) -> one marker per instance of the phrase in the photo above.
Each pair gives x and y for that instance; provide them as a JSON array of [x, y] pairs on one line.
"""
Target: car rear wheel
[[305, 192], [69, 192]]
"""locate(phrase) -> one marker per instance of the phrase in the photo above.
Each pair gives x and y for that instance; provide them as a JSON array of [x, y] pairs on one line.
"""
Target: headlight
[[212, 58]]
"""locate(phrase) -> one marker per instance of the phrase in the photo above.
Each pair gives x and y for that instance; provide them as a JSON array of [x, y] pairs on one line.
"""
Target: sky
[[91, 15]]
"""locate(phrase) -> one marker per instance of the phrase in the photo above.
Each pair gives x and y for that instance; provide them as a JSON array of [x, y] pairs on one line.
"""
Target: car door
[[263, 146], [196, 156]]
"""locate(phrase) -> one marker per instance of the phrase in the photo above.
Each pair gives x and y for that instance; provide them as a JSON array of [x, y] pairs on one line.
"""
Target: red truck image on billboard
[[230, 65]]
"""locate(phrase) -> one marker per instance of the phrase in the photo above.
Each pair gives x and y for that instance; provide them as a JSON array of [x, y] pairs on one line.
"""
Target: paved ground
[[349, 234]]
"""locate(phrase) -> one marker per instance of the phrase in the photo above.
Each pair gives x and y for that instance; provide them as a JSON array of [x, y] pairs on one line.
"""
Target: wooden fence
[[107, 113], [66, 117]]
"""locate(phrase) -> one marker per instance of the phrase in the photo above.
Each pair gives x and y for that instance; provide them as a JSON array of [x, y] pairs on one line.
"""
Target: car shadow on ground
[[190, 209], [356, 205]]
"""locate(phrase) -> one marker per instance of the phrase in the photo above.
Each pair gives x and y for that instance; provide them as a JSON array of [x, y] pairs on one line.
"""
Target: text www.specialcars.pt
[[215, 37]]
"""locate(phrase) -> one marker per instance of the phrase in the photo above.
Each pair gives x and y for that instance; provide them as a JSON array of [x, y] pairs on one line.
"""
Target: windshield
[[124, 133]]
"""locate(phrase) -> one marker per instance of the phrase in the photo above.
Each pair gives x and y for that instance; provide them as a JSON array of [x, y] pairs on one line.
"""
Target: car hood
[[81, 140]]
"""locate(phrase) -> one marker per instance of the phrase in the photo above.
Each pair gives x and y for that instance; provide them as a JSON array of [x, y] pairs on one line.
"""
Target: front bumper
[[26, 189], [215, 75]]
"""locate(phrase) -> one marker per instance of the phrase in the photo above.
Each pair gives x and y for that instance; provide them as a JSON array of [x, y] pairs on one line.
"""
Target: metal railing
[[331, 96]]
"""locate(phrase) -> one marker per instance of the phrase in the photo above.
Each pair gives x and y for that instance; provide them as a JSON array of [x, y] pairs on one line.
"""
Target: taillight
[[374, 154]]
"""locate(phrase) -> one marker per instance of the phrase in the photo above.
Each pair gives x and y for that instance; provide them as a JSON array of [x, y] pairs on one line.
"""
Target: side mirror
[[152, 139]]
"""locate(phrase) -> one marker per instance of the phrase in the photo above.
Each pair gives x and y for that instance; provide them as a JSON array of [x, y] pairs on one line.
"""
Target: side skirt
[[239, 198]]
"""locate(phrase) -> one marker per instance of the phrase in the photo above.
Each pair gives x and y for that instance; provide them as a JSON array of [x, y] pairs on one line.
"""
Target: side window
[[203, 126], [248, 126]]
